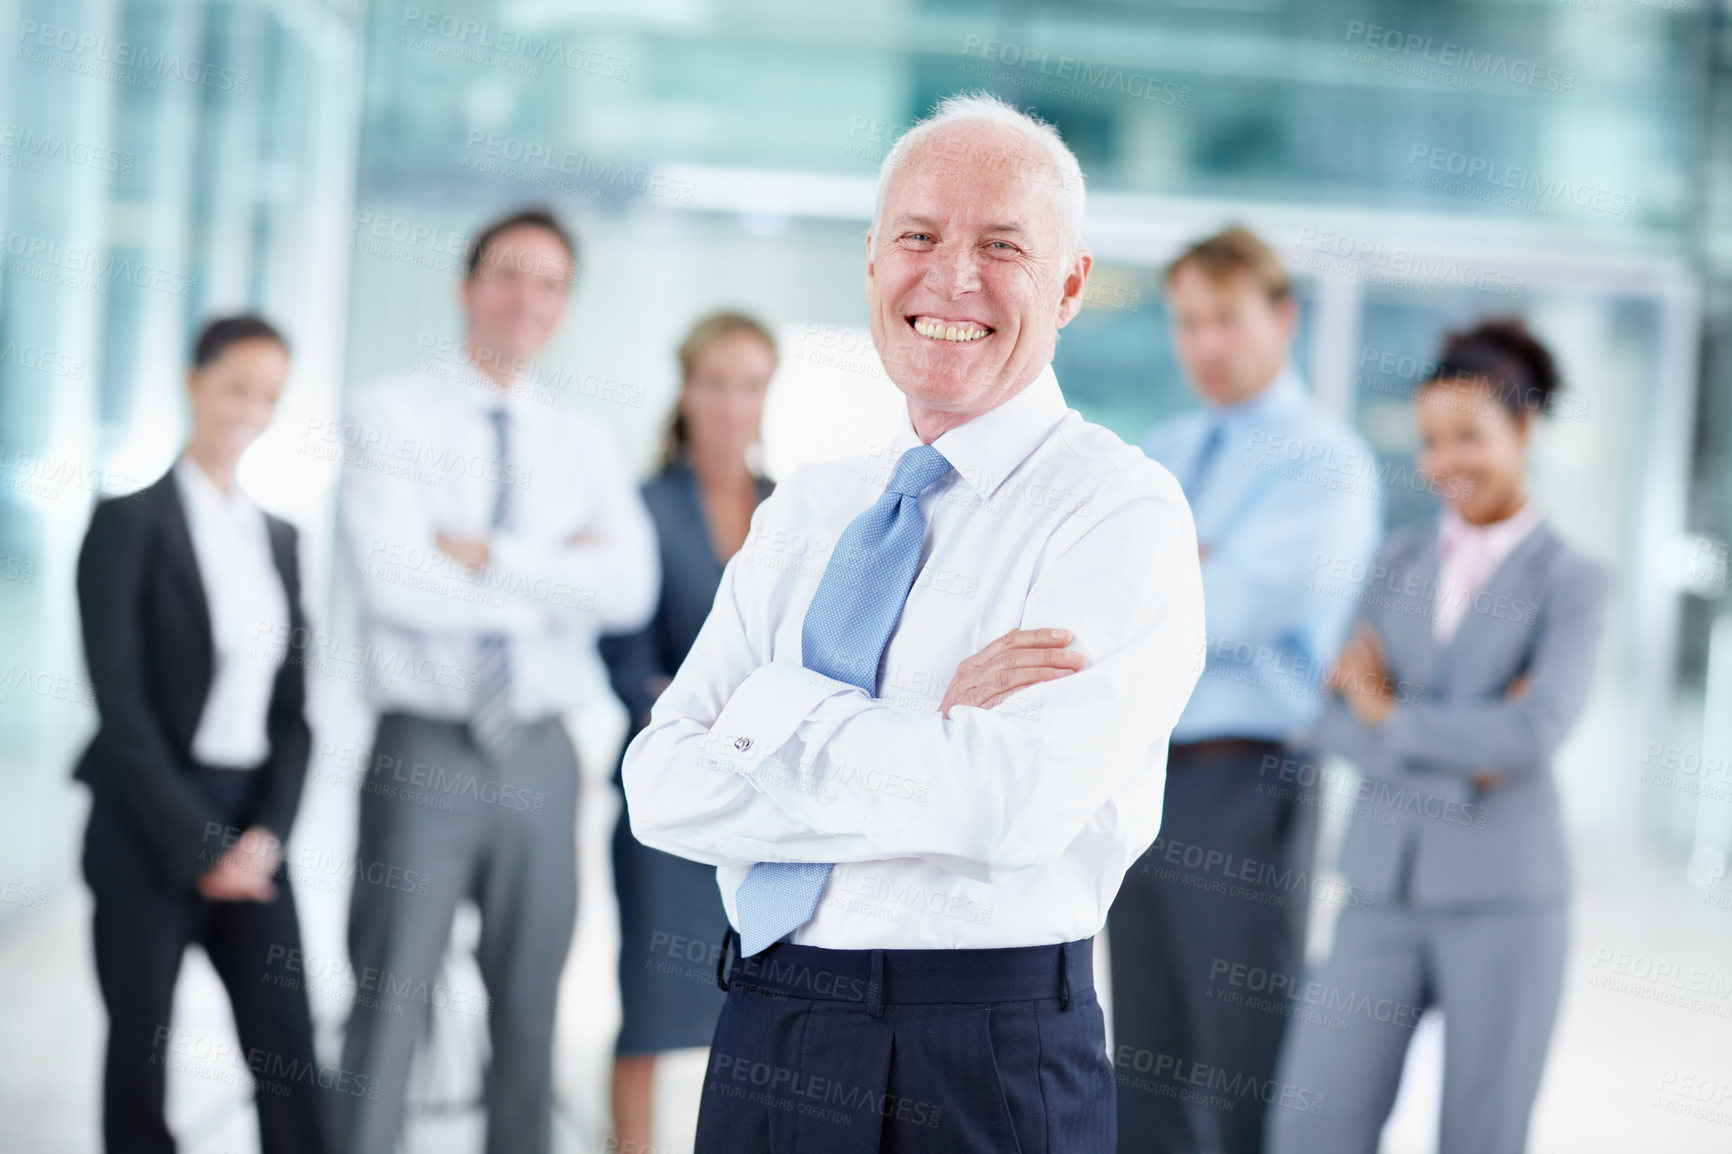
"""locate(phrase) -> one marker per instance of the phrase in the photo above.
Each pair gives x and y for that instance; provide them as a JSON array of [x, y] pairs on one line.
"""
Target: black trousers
[[142, 927], [1214, 908], [441, 822], [943, 1051]]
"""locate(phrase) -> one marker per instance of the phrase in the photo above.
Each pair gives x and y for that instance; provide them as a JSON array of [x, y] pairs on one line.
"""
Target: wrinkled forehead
[[977, 174]]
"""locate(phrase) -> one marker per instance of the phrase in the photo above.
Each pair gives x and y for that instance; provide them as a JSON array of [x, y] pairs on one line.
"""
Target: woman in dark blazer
[[189, 597], [1471, 660], [702, 500]]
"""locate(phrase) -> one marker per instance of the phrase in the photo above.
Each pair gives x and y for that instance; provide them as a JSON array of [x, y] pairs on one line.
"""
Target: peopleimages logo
[[482, 42], [1081, 73], [1406, 262], [86, 269], [1446, 54], [1523, 180], [589, 170], [98, 50], [33, 147]]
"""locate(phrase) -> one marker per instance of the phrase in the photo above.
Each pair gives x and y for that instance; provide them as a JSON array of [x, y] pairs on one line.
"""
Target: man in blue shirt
[[1207, 931]]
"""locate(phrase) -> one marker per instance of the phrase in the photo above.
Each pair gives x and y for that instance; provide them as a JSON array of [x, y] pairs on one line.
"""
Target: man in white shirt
[[496, 537], [922, 733]]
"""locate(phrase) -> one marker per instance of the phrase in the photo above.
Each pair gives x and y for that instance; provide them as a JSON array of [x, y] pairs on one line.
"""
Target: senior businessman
[[923, 731]]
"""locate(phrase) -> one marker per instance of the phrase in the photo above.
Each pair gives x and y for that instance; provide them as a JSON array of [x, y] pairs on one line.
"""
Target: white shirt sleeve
[[995, 791], [387, 515], [608, 576]]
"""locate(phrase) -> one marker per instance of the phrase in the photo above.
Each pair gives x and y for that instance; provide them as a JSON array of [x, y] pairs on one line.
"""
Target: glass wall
[[1418, 166], [165, 160], [158, 162]]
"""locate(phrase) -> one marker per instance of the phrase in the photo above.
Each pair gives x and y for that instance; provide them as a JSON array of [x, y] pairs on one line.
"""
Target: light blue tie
[[851, 618], [1205, 460]]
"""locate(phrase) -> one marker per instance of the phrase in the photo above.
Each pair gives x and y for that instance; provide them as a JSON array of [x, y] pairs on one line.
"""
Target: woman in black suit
[[190, 601], [702, 500]]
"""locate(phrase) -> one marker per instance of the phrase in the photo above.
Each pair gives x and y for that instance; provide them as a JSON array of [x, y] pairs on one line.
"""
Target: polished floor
[[1641, 1060]]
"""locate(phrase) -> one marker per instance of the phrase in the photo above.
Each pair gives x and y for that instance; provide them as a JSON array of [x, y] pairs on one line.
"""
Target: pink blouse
[[1467, 557]]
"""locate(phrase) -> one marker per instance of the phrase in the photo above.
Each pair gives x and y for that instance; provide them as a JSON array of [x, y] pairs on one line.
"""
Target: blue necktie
[[1205, 458], [850, 620]]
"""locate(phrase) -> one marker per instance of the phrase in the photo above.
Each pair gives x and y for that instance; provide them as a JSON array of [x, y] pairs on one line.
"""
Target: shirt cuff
[[765, 711]]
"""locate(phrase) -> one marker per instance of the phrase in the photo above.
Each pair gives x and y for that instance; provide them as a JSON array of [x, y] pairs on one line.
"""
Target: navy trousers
[[1223, 889], [870, 1051]]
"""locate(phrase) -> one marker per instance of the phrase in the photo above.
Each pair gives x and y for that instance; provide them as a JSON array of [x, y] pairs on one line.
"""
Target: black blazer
[[147, 642]]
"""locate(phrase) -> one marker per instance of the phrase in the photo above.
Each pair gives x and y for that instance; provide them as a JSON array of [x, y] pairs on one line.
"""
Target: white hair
[[1065, 175]]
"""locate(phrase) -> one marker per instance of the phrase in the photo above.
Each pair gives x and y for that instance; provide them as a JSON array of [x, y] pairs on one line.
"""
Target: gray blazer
[[1419, 832]]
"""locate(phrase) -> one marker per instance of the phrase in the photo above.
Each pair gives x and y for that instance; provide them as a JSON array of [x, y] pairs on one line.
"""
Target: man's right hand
[[1020, 658]]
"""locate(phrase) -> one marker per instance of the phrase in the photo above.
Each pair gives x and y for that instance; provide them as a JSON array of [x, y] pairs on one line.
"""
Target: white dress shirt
[[576, 556], [249, 618], [1004, 827]]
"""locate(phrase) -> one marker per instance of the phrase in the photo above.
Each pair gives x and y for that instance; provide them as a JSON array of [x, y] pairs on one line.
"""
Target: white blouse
[[249, 618]]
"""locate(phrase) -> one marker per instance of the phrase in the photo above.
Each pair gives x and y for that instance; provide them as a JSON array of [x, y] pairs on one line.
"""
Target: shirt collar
[[1498, 537], [1285, 391], [470, 388], [987, 449], [196, 487]]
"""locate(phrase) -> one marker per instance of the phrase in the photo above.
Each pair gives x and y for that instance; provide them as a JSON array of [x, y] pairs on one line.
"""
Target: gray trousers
[[440, 822], [1497, 974]]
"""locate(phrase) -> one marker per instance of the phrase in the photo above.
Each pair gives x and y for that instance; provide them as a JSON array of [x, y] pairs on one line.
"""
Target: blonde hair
[[1236, 251]]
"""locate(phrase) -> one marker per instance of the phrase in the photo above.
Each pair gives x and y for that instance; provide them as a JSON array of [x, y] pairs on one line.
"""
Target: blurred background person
[[702, 502], [486, 571], [190, 600], [1469, 663], [1274, 481]]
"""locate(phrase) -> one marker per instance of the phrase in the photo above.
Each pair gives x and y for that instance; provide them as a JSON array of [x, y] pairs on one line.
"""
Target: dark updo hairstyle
[[221, 332], [1513, 365], [702, 335]]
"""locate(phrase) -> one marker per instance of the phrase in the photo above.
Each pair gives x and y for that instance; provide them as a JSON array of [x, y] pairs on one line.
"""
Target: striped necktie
[[492, 725]]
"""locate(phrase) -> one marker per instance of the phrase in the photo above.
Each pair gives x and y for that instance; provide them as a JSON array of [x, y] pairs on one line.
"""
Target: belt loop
[[722, 960], [1064, 977], [875, 989]]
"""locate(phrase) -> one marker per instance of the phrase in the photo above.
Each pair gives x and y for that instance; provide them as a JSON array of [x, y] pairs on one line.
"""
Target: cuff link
[[743, 744]]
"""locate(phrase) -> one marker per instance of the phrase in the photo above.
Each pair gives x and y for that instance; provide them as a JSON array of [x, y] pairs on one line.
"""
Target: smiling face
[[233, 398], [516, 299], [1474, 448], [967, 278], [723, 398]]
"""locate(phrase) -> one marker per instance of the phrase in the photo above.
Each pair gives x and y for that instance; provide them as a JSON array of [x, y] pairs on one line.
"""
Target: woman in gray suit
[[702, 500], [1470, 661]]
